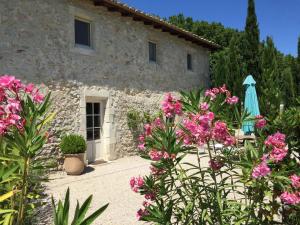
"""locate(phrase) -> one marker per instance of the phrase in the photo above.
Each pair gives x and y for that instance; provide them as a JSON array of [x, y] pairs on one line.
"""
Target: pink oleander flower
[[148, 129], [37, 96], [178, 108], [265, 157], [210, 94], [221, 134], [261, 170], [198, 127], [136, 183], [156, 155], [171, 106], [232, 100], [10, 82], [179, 133], [260, 123], [278, 154], [229, 141], [3, 127], [141, 146], [146, 203], [141, 213], [13, 106], [141, 138], [295, 181], [29, 88], [158, 123], [223, 89], [290, 198], [155, 171], [215, 164], [215, 90], [204, 106], [276, 140], [150, 196]]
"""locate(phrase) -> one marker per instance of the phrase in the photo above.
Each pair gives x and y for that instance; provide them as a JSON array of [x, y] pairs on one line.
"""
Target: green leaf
[[89, 220]]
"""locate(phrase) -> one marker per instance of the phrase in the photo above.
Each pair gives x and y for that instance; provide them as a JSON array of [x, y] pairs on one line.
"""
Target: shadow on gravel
[[88, 169]]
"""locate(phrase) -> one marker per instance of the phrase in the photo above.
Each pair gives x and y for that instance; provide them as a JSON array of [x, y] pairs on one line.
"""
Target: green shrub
[[73, 144], [61, 211]]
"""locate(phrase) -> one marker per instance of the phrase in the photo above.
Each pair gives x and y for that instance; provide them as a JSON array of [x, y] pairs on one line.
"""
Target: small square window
[[82, 33], [189, 62], [152, 52]]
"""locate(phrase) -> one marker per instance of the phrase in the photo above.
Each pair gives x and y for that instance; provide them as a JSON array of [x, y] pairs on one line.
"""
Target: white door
[[93, 130]]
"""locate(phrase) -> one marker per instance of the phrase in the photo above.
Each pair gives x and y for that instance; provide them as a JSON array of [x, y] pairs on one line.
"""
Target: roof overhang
[[156, 22]]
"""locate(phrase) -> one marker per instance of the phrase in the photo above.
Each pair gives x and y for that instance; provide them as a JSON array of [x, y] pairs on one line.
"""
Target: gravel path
[[109, 183]]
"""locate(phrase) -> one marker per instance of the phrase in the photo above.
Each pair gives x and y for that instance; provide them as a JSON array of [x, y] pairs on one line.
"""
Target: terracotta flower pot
[[74, 163]]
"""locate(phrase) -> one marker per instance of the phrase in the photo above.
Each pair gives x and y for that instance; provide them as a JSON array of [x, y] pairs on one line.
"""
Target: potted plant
[[73, 147]]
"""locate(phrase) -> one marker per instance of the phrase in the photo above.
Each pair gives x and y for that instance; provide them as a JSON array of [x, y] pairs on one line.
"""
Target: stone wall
[[37, 45]]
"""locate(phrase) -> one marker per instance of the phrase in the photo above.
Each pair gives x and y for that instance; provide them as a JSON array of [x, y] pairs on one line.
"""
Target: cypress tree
[[270, 96], [251, 52], [297, 77], [288, 87], [220, 70], [236, 71], [298, 49]]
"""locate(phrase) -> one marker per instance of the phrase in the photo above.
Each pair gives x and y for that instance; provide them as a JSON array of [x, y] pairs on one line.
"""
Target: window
[[82, 33], [152, 52], [189, 62], [93, 121]]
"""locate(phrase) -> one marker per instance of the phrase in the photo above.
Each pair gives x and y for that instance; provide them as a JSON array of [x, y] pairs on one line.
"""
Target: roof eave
[[157, 23]]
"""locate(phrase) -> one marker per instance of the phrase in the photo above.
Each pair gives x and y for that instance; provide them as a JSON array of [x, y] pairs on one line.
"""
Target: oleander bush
[[250, 183], [24, 123], [73, 144]]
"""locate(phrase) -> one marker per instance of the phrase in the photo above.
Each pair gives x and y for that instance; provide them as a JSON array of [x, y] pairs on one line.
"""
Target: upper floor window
[[189, 62], [152, 52], [82, 32]]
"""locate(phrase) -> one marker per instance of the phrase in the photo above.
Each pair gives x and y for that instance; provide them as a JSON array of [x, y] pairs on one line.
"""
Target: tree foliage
[[251, 42], [277, 75]]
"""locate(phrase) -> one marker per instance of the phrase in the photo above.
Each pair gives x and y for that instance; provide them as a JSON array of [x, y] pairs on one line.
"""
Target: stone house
[[99, 58]]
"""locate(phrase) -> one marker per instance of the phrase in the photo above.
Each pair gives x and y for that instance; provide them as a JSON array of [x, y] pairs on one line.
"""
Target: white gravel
[[109, 183]]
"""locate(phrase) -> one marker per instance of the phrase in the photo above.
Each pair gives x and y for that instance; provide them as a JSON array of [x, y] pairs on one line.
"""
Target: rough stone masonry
[[37, 45]]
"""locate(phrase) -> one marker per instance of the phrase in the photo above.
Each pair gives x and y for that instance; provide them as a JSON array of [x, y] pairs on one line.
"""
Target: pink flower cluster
[[215, 164], [156, 155], [141, 145], [171, 106], [261, 170], [155, 171], [279, 150], [260, 122], [222, 135], [276, 140], [278, 145], [204, 106], [295, 181], [290, 198], [136, 183], [12, 91], [214, 92], [198, 127], [142, 212]]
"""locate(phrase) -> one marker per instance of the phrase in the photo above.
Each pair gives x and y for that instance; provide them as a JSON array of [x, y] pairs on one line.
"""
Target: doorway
[[94, 122]]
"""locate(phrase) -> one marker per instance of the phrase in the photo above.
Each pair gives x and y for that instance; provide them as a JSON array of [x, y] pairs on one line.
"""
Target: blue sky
[[279, 19]]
